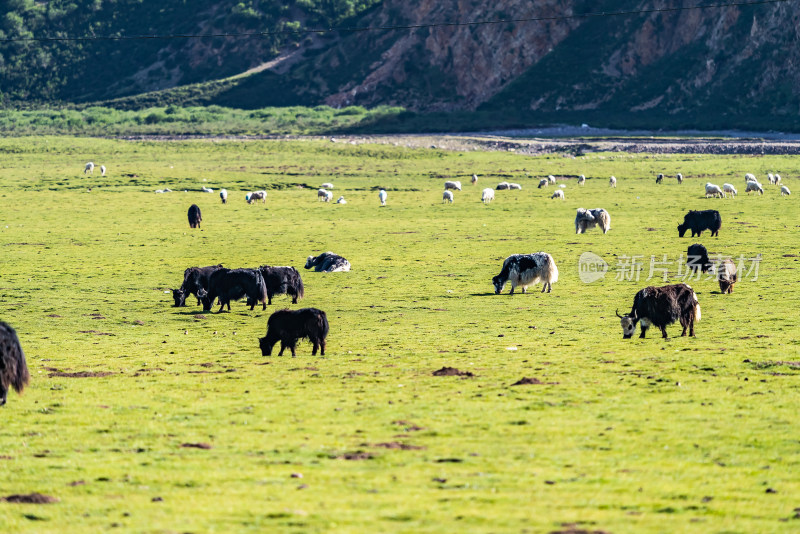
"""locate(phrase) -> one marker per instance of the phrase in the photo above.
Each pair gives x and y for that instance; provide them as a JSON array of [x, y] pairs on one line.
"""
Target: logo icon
[[591, 267]]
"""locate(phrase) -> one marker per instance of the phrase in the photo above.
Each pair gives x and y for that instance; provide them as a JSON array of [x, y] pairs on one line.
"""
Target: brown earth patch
[[399, 446], [30, 498], [96, 332], [408, 426], [6, 457], [532, 381], [205, 446], [451, 371], [80, 374], [357, 455], [199, 316], [54, 315]]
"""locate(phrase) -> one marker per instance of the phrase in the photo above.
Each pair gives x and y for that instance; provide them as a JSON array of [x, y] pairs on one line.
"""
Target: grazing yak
[[726, 275], [525, 270], [289, 326], [234, 284], [327, 262], [542, 183], [679, 176], [697, 258], [324, 195], [659, 178], [194, 216], [582, 180], [13, 367], [660, 307], [586, 219], [194, 279], [254, 196], [282, 281], [697, 221]]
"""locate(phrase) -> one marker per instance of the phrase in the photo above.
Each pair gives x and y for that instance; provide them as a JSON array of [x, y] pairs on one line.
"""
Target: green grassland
[[683, 435]]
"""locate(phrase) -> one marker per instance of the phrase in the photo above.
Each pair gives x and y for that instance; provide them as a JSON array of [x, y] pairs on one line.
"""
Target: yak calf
[[288, 326]]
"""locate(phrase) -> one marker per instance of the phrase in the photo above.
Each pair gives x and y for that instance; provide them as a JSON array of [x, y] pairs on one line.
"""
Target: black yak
[[660, 307], [527, 269], [697, 258], [194, 279], [697, 221], [327, 262], [194, 216], [233, 284], [726, 275], [288, 326], [13, 368], [282, 281]]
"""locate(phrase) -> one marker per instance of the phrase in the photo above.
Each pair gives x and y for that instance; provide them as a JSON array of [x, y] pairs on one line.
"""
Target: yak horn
[[618, 315]]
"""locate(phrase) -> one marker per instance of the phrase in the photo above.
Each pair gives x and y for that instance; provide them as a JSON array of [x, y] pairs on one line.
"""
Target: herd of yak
[[652, 306]]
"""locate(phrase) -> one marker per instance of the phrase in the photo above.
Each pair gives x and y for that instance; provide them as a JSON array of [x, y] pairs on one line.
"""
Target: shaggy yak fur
[[660, 307], [586, 219], [288, 326], [726, 275], [697, 221], [13, 368], [697, 258], [194, 279], [327, 262], [194, 216], [525, 270], [234, 284], [282, 281]]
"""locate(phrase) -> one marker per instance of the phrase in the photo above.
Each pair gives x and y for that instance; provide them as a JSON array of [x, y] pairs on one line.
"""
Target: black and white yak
[[697, 258], [697, 221], [194, 279], [234, 284], [660, 307], [327, 262], [282, 281], [586, 219], [13, 368], [525, 270], [289, 326], [194, 216], [726, 275]]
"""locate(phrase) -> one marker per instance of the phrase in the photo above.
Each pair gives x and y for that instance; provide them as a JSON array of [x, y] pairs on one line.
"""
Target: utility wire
[[393, 28]]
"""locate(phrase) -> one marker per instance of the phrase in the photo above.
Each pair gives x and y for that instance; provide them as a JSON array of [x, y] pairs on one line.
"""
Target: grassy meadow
[[143, 417]]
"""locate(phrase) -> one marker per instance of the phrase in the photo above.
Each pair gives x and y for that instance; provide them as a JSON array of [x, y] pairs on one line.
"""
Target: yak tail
[[299, 284], [14, 369], [322, 322], [606, 220], [697, 313], [261, 287], [551, 271]]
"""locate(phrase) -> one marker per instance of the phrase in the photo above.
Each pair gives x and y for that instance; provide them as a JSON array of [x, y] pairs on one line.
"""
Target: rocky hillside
[[735, 65]]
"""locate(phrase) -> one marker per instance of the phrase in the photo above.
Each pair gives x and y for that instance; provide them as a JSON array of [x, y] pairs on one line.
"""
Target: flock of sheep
[[753, 185]]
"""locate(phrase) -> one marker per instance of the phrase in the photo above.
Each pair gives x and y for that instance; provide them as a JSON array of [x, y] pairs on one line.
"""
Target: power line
[[343, 29]]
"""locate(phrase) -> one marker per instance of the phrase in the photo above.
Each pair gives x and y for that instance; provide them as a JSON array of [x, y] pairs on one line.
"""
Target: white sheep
[[341, 200], [474, 179], [487, 195], [324, 195], [581, 180], [551, 178], [456, 185], [558, 194], [749, 177], [382, 197], [785, 191], [754, 186], [771, 178], [713, 190], [544, 182], [728, 188], [89, 168], [207, 189], [514, 186], [223, 195], [327, 185], [102, 170], [612, 182], [501, 186], [447, 196], [777, 179]]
